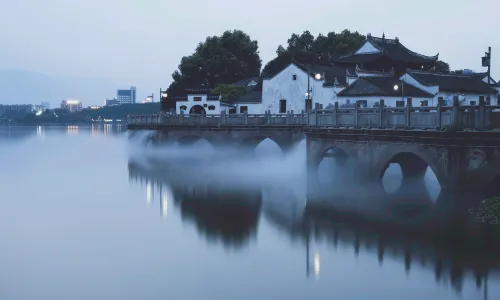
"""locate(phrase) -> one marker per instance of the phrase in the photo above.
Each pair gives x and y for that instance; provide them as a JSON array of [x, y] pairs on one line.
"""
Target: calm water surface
[[83, 216]]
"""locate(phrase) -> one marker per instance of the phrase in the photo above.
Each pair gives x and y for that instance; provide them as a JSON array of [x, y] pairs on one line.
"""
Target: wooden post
[[290, 119], [381, 114], [481, 114], [246, 118], [181, 117], [409, 106], [439, 116], [336, 114], [268, 113], [456, 112]]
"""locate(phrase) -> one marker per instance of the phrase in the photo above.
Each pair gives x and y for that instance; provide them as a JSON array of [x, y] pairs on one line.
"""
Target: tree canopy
[[307, 49], [228, 91], [218, 60]]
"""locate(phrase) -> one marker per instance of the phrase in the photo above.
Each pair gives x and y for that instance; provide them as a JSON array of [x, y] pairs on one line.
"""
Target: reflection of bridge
[[211, 207]]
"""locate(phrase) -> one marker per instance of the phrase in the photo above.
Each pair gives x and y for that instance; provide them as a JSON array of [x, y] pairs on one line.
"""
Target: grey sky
[[141, 42]]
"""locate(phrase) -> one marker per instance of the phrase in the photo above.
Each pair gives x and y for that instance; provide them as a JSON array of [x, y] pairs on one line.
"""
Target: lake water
[[87, 213]]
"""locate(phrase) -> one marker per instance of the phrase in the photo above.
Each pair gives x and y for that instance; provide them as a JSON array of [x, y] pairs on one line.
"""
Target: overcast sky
[[140, 42]]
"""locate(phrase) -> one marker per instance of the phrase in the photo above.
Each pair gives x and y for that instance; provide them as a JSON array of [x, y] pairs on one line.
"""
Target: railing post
[[181, 117], [302, 117], [409, 106], [456, 112], [336, 114], [356, 115], [481, 114], [268, 113], [316, 122], [290, 121], [246, 118], [439, 116], [223, 119], [381, 114]]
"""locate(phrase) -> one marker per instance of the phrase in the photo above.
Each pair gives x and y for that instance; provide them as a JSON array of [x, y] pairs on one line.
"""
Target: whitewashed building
[[287, 90], [364, 76], [469, 87]]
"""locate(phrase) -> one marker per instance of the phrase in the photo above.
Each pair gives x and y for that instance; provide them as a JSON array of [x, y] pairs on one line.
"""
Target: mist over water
[[94, 213]]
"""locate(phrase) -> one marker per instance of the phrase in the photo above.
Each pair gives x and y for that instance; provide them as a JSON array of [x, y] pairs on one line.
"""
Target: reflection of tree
[[231, 223], [218, 213]]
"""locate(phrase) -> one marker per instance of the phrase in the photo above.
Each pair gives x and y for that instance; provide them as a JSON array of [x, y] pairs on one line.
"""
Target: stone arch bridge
[[463, 161]]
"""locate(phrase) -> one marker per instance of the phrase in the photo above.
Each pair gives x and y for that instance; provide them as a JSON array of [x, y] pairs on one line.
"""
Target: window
[[408, 100], [211, 107], [400, 103], [424, 103], [282, 106], [441, 101], [481, 99], [183, 107], [309, 104], [498, 100], [196, 98], [232, 110], [362, 103], [472, 102], [294, 77], [243, 109]]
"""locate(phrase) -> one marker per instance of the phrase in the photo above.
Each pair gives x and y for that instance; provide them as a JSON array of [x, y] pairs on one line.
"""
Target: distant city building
[[72, 105], [95, 107], [148, 99], [126, 96], [112, 102], [46, 105]]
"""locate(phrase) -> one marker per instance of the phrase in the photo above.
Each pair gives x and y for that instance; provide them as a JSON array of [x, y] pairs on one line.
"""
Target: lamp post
[[163, 100], [317, 76], [486, 62], [396, 87]]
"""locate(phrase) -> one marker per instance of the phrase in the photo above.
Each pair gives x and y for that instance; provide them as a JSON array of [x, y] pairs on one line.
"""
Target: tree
[[218, 60], [307, 49], [228, 91], [440, 67]]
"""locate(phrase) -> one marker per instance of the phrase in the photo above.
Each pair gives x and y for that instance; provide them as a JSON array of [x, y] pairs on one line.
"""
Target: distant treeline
[[87, 115]]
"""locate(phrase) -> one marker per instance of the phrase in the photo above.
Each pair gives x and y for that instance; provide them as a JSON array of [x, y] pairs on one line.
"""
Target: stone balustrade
[[459, 117]]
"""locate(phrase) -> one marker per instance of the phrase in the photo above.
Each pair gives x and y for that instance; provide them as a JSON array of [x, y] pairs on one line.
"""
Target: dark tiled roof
[[381, 86], [198, 91], [250, 97], [246, 81], [447, 82], [333, 75], [390, 48]]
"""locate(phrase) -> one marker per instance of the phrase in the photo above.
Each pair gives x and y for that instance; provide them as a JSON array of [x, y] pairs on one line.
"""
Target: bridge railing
[[409, 117]]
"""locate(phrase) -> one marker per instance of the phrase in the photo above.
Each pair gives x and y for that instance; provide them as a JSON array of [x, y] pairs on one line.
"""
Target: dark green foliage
[[307, 49], [86, 115], [228, 91], [221, 59]]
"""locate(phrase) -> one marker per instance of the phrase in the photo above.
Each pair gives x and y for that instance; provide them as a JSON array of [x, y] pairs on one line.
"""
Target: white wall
[[389, 101], [282, 86], [253, 108], [190, 103]]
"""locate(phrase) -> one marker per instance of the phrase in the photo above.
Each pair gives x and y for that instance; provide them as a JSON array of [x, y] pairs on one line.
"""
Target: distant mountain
[[27, 87]]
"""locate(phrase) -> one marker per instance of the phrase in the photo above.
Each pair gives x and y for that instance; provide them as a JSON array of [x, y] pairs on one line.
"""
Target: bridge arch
[[251, 143], [333, 165], [409, 168], [194, 140]]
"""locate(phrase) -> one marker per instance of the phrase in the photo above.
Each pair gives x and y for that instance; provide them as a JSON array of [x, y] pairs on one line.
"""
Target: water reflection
[[220, 213], [230, 216]]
